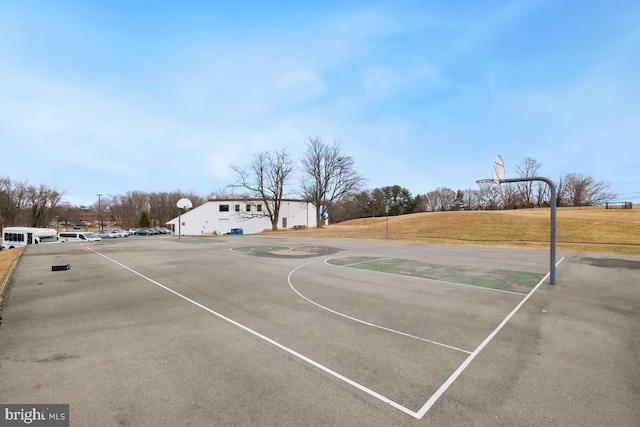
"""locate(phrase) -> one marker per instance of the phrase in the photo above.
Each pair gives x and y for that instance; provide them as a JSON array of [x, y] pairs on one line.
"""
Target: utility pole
[[99, 213]]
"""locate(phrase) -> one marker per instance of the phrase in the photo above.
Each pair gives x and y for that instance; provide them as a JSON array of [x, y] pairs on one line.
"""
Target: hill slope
[[593, 229]]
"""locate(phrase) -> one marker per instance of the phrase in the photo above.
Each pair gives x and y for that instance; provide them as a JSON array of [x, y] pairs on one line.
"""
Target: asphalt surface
[[244, 331]]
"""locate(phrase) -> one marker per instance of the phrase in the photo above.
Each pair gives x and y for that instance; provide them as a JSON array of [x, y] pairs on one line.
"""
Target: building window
[[248, 208], [259, 208], [237, 208], [224, 208]]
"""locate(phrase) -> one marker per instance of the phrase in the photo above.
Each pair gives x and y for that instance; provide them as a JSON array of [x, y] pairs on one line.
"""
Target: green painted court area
[[506, 280]]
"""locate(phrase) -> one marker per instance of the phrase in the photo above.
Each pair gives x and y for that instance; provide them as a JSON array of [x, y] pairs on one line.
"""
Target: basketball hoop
[[498, 177], [485, 184]]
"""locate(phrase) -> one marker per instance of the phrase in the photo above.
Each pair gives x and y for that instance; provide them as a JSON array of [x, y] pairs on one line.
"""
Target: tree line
[[25, 204], [326, 177], [573, 189]]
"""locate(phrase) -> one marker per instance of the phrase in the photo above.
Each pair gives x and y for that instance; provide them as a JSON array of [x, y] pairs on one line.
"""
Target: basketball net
[[485, 184]]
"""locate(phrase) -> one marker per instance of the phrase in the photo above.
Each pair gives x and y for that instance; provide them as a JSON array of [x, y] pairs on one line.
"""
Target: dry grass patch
[[592, 230], [7, 258]]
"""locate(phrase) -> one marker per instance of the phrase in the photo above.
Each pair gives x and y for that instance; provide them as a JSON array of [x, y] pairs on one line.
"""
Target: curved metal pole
[[552, 186]]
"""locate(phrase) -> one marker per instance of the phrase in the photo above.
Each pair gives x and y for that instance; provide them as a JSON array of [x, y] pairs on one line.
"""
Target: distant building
[[219, 216]]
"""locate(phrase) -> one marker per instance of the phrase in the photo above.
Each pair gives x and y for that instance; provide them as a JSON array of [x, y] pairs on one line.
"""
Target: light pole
[[99, 213], [386, 211]]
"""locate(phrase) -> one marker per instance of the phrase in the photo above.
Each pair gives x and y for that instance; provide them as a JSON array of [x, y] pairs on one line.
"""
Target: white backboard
[[184, 204], [498, 169]]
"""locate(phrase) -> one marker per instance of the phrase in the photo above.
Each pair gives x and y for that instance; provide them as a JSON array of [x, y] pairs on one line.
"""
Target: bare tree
[[126, 209], [446, 198], [65, 214], [510, 196], [20, 198], [348, 208], [163, 207], [470, 199], [527, 169], [430, 201], [489, 196], [542, 194], [43, 204], [8, 208], [328, 175], [220, 193], [562, 195], [266, 178], [585, 191], [440, 199], [22, 203]]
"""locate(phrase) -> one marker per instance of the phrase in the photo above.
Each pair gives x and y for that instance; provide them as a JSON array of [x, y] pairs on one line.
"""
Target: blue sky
[[115, 96]]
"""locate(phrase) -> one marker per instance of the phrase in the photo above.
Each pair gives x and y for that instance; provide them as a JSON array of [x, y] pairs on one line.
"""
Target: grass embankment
[[7, 258], [590, 230]]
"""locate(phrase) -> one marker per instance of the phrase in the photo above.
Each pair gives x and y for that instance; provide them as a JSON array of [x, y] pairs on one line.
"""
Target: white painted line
[[365, 262], [373, 325], [418, 415], [270, 341], [425, 408]]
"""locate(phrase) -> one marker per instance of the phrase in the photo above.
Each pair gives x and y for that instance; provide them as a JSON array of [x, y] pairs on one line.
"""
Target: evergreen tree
[[144, 220]]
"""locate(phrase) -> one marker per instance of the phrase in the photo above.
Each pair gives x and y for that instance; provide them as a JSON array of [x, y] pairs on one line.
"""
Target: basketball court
[[287, 331]]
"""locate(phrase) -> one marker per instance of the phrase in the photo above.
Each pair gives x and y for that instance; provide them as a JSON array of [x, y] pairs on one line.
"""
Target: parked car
[[133, 230], [104, 234], [112, 234], [121, 232], [144, 232]]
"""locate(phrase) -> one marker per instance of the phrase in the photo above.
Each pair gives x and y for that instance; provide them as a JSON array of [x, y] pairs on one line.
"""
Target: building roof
[[250, 199]]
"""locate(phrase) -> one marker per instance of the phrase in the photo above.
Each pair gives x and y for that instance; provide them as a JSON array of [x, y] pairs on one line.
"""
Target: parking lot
[[261, 330]]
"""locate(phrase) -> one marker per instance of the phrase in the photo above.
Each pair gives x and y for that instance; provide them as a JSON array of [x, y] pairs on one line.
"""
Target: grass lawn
[[7, 258], [588, 229]]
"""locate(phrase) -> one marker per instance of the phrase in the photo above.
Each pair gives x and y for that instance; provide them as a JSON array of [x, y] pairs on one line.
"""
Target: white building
[[219, 216]]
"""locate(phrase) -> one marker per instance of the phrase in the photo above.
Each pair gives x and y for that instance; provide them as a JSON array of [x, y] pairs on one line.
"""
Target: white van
[[15, 237], [77, 236]]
